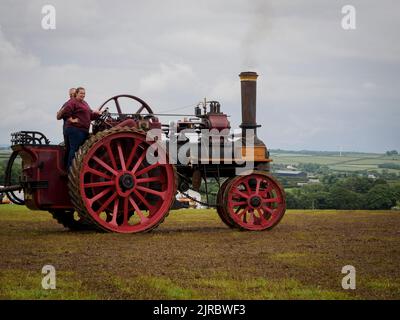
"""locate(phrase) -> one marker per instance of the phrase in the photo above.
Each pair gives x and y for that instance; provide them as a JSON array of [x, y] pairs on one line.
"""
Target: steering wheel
[[106, 120], [144, 105]]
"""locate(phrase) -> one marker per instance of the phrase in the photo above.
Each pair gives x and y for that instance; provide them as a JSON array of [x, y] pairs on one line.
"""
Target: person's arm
[[60, 113], [67, 110], [95, 114]]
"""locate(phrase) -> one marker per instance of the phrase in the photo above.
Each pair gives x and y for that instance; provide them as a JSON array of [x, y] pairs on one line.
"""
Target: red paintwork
[[255, 217], [105, 164], [44, 163], [153, 123], [218, 121]]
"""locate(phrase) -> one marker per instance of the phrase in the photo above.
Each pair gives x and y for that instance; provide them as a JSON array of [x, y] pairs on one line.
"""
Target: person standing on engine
[[78, 115], [72, 95]]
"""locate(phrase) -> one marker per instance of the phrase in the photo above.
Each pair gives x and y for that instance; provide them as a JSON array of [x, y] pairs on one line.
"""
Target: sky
[[320, 87]]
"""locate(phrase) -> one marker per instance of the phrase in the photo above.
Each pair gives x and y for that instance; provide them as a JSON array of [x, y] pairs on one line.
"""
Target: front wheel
[[221, 208], [255, 201]]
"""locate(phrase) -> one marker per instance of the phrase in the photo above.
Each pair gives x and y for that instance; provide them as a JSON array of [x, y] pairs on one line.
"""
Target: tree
[[344, 199], [291, 201], [392, 153], [357, 184], [330, 179], [381, 197]]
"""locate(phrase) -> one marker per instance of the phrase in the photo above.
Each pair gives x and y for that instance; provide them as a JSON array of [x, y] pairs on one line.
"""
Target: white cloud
[[169, 77], [318, 84], [12, 59]]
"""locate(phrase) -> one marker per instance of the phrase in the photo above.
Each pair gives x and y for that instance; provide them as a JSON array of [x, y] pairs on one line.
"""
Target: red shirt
[[61, 109], [80, 110]]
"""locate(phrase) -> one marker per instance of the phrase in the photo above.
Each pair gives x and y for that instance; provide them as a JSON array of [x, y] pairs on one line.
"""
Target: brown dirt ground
[[192, 255]]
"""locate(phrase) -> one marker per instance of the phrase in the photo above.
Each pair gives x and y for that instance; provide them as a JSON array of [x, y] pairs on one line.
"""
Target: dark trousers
[[66, 144], [75, 137]]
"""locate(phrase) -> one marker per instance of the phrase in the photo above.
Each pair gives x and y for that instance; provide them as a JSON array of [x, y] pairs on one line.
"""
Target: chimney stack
[[248, 82]]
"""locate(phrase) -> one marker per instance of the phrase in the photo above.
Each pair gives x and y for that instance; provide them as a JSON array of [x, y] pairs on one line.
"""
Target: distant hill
[[336, 161], [323, 153]]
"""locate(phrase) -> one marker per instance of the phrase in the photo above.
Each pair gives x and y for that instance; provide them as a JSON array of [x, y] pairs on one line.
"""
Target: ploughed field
[[193, 255]]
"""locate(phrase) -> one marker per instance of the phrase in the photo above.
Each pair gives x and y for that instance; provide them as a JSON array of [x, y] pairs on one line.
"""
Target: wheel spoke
[[247, 186], [269, 210], [261, 214], [140, 109], [126, 211], [150, 179], [132, 154], [106, 204], [240, 203], [117, 105], [269, 189], [99, 184], [111, 156], [161, 194], [271, 200], [121, 156], [244, 219], [241, 194], [115, 213], [143, 199], [143, 218], [98, 196], [147, 169], [258, 186], [138, 163], [97, 173], [251, 218], [241, 214], [105, 165]]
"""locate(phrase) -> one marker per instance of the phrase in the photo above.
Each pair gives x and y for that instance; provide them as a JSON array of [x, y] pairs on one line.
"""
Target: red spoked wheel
[[255, 202], [113, 185], [221, 208]]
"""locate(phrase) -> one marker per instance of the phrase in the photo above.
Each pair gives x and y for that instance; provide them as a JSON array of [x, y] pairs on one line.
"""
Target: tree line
[[345, 194]]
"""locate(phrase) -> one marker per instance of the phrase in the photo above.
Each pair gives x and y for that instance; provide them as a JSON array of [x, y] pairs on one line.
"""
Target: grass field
[[192, 255], [346, 162]]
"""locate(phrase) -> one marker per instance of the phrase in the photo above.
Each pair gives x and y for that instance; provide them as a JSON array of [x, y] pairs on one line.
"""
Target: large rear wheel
[[113, 185]]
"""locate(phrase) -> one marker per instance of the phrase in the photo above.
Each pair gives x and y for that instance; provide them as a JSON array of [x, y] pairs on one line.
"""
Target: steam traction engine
[[113, 186]]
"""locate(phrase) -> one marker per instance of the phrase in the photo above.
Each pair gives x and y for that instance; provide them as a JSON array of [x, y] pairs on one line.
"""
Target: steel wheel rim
[[221, 210], [255, 201], [107, 193]]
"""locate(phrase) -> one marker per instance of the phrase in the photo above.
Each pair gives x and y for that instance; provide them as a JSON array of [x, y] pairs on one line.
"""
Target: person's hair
[[74, 91], [79, 89]]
